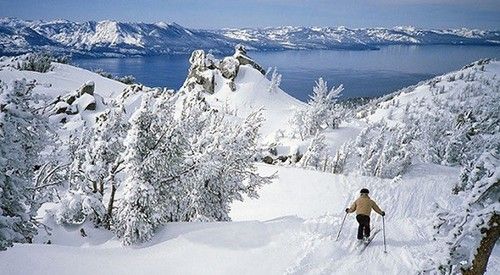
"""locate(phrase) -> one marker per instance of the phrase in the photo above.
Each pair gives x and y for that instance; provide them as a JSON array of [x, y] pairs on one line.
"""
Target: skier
[[363, 207]]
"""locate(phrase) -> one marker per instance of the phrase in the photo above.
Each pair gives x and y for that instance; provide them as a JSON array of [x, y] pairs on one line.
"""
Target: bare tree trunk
[[94, 187], [110, 206], [487, 244], [101, 187], [117, 167]]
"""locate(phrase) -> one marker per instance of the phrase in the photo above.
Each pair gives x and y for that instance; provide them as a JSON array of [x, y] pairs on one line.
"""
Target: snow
[[62, 80], [113, 38], [291, 229], [252, 95]]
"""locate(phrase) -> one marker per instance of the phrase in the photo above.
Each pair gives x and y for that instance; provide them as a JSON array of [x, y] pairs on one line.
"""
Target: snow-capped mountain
[[104, 38], [112, 38], [365, 38]]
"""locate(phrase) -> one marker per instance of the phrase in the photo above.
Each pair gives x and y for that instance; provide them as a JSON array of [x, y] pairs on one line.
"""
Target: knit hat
[[364, 191]]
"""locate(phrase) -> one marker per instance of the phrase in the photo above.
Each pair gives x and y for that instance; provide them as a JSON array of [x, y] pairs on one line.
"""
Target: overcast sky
[[260, 13]]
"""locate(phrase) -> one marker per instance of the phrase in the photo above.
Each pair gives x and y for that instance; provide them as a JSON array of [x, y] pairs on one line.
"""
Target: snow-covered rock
[[237, 85]]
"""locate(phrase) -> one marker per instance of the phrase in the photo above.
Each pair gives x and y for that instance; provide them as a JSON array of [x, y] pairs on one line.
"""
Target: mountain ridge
[[115, 38]]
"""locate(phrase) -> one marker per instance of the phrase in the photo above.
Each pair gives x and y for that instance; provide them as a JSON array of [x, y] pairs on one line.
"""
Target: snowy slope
[[252, 94], [238, 86], [291, 229], [57, 85], [61, 80]]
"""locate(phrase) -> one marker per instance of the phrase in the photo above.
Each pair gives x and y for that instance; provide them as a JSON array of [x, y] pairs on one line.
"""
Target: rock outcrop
[[205, 67], [76, 102]]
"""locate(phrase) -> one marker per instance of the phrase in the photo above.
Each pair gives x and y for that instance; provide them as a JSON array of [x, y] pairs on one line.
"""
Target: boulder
[[72, 110], [268, 160], [86, 102], [87, 88], [242, 57], [70, 99], [199, 73], [61, 107], [229, 67]]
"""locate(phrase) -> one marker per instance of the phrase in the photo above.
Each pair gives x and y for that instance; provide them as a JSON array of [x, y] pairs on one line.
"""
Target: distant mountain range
[[112, 38]]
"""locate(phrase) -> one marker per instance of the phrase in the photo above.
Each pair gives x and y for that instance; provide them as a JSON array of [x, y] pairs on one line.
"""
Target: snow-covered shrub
[[37, 62], [469, 232], [22, 135], [186, 168], [315, 156], [78, 206], [320, 112], [128, 79]]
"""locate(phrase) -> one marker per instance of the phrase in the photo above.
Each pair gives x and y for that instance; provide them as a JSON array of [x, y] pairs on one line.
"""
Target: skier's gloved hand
[[347, 210], [383, 213]]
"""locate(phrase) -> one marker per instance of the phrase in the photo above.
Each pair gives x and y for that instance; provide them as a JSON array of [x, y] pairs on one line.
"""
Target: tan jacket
[[364, 205]]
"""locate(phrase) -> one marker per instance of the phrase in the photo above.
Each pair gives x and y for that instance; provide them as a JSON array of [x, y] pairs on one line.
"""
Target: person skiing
[[363, 207]]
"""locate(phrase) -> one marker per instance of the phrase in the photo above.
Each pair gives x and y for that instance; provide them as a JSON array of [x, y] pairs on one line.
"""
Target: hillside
[[291, 229], [412, 149]]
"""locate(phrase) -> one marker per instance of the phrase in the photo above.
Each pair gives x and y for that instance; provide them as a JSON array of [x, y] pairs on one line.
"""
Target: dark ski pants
[[364, 226]]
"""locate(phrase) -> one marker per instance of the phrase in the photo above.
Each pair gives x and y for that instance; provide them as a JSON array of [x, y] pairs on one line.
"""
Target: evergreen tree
[[81, 200], [321, 111], [315, 154], [22, 135], [151, 159], [188, 165], [395, 157]]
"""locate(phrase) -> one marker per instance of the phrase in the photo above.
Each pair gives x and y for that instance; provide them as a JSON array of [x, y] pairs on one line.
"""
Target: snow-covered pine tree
[[315, 156], [370, 156], [184, 165], [80, 201], [471, 231], [105, 160], [396, 154], [222, 155], [340, 158], [153, 159], [22, 135], [320, 112], [275, 81]]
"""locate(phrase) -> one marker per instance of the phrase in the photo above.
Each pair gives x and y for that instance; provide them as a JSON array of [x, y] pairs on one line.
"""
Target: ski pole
[[383, 227], [342, 225]]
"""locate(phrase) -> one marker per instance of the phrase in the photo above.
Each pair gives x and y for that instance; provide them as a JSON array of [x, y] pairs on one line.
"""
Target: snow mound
[[61, 80]]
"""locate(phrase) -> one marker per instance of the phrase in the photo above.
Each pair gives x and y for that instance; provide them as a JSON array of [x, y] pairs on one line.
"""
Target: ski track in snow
[[321, 254], [288, 243]]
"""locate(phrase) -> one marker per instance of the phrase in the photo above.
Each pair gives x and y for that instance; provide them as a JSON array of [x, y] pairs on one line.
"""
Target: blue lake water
[[363, 73]]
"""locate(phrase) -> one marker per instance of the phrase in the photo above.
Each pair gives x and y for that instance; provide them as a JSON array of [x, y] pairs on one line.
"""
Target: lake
[[363, 73]]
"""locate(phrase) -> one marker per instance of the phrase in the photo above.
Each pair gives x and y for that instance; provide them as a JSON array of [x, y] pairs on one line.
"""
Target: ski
[[365, 245]]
